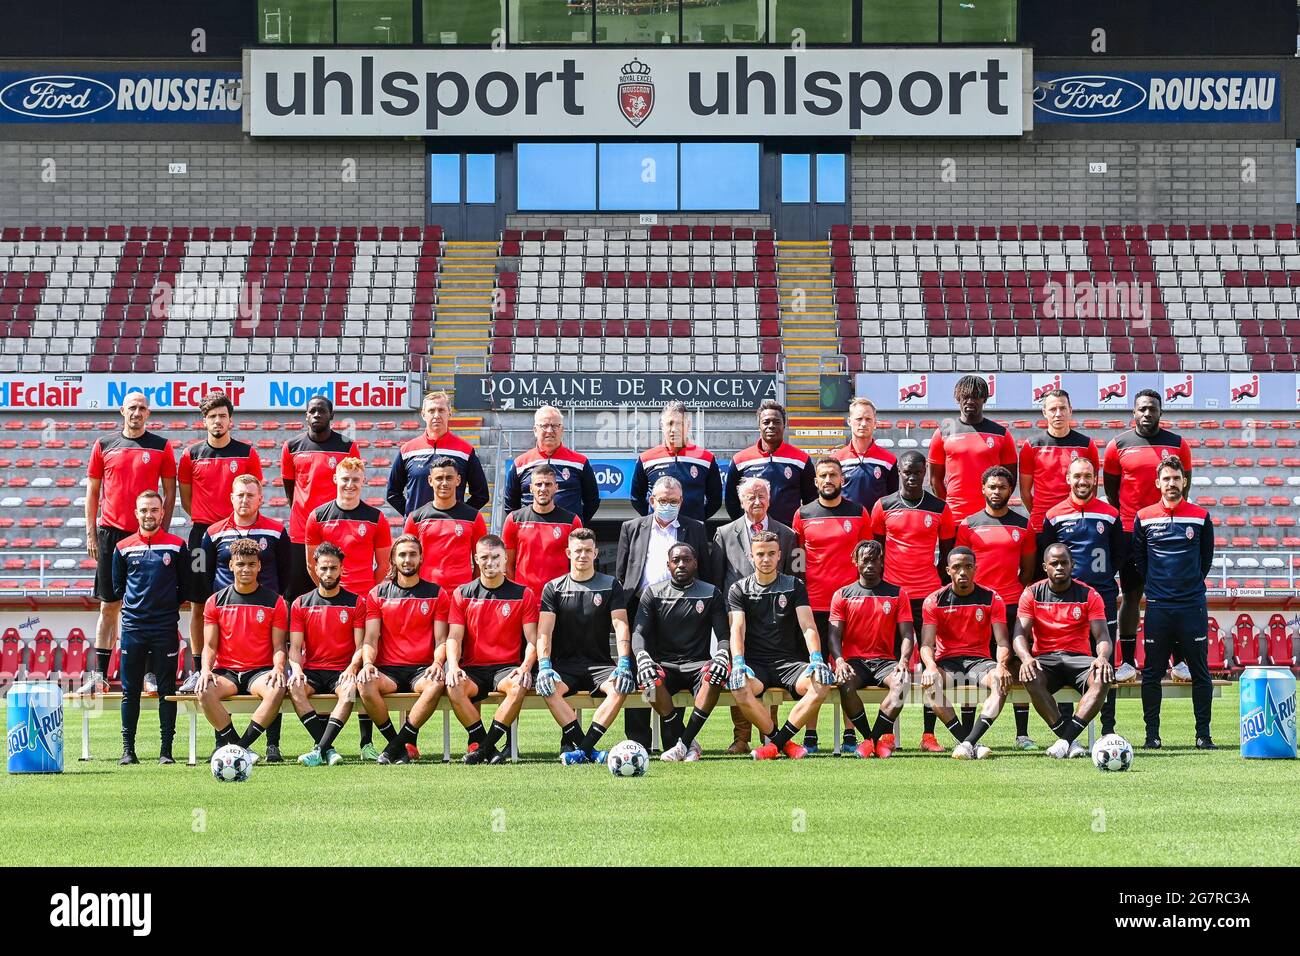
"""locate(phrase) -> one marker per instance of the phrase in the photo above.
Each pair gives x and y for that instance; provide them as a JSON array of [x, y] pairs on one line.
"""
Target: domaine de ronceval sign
[[646, 92]]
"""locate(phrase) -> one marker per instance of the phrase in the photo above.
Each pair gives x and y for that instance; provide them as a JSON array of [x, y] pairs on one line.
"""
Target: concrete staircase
[[462, 328], [808, 330]]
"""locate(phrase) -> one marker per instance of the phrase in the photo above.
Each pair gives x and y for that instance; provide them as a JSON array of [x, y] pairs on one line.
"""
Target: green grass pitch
[[1175, 807]]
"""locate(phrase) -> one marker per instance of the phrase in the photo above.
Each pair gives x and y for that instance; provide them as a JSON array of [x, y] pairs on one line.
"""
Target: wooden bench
[[188, 706]]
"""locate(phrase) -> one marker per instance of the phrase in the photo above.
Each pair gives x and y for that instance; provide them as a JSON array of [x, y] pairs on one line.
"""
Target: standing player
[[307, 469], [962, 450], [1062, 620], [870, 472], [325, 654], [828, 530], [1045, 458], [150, 576], [1129, 475], [243, 652], [1173, 550], [788, 470], [536, 536], [1004, 549], [694, 467], [491, 646], [910, 525], [774, 642], [206, 473], [871, 640], [403, 652], [579, 610], [121, 466], [408, 481], [576, 488], [680, 643], [958, 625], [1090, 528], [447, 529]]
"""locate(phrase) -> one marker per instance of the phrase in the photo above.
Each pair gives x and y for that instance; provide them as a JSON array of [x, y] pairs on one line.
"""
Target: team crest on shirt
[[361, 531], [1074, 453], [343, 617], [1190, 533], [331, 463], [459, 530], [424, 607], [1101, 527], [1015, 535], [695, 472], [979, 614], [989, 441], [876, 472], [699, 607], [782, 601], [146, 457], [848, 526], [564, 473], [928, 521], [788, 473], [887, 606], [505, 610], [1076, 612], [234, 466], [555, 532], [597, 600], [167, 558], [261, 544], [261, 616]]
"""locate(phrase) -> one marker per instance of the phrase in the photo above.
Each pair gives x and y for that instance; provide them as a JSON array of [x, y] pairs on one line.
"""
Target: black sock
[[927, 724], [477, 735], [386, 728], [884, 725], [329, 733], [1066, 708], [273, 731], [860, 722], [784, 735], [496, 732], [226, 735], [981, 725], [103, 656], [367, 727], [254, 731], [1128, 645], [314, 723], [968, 718], [1021, 712], [670, 729], [594, 733], [694, 726], [810, 738], [954, 727], [1068, 728], [849, 737], [571, 735]]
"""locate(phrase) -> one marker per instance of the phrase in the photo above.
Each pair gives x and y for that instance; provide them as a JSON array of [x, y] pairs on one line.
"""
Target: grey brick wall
[[1047, 181], [258, 182]]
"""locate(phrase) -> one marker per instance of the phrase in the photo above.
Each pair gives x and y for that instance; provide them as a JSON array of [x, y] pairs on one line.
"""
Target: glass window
[[374, 22], [988, 21], [554, 176], [820, 21], [295, 21], [719, 175], [638, 176], [444, 178], [461, 21], [481, 178], [728, 21], [548, 21], [795, 173], [900, 21], [637, 21], [830, 177]]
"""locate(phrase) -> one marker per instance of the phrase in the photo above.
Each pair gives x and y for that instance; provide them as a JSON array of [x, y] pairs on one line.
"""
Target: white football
[[231, 764], [628, 759], [1112, 752]]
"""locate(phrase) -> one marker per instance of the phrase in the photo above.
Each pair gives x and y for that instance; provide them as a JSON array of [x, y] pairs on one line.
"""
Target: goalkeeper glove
[[546, 678], [718, 670], [740, 673], [624, 679], [818, 671], [647, 671]]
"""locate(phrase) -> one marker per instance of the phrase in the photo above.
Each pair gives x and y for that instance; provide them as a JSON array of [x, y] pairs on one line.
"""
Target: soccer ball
[[628, 759], [1112, 752], [230, 764]]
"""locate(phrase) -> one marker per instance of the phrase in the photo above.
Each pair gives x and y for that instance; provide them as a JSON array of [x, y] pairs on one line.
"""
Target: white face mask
[[667, 513]]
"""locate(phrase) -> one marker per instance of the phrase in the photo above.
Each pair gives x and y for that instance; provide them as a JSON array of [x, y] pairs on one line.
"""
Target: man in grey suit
[[732, 562], [643, 545]]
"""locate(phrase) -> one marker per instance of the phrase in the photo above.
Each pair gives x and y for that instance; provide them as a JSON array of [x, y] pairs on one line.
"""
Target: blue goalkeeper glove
[[718, 670], [624, 678], [740, 673], [818, 671], [547, 677]]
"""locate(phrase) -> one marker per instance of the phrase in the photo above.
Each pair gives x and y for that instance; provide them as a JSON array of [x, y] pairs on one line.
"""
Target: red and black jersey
[[963, 623], [360, 532], [789, 470], [912, 532], [869, 475], [966, 452], [244, 623], [1135, 459], [406, 616], [828, 537], [328, 627], [869, 618], [1047, 459], [1062, 621], [209, 472], [999, 544], [125, 468], [310, 466], [448, 539], [494, 620], [539, 542]]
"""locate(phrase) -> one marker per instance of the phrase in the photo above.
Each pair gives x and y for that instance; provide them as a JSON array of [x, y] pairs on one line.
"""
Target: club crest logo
[[146, 458], [361, 531], [888, 606], [564, 473], [695, 472], [167, 559], [848, 526], [331, 463], [1076, 612], [1015, 535], [1074, 453], [979, 614], [424, 608], [699, 607], [876, 471], [782, 601], [597, 600], [261, 616], [929, 521], [989, 441], [343, 617], [555, 532], [636, 92], [788, 473], [1189, 533], [234, 467], [505, 610], [459, 531], [1101, 527], [261, 544]]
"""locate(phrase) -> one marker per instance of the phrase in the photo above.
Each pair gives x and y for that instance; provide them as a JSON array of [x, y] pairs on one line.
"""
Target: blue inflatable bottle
[[35, 739], [1268, 713]]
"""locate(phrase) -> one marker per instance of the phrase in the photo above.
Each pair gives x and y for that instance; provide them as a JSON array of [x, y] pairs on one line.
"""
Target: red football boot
[[929, 743], [794, 751], [412, 752], [885, 746], [766, 752], [865, 749]]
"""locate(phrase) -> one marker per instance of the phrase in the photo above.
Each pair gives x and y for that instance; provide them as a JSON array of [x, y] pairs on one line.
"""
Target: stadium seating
[[1216, 652], [11, 665], [40, 656], [1281, 649], [1245, 643], [72, 657]]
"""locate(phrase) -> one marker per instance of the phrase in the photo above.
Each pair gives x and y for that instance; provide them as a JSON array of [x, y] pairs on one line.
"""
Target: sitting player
[[325, 654], [244, 628], [578, 612], [1062, 620], [678, 620], [956, 624], [402, 653], [871, 638], [491, 619], [768, 613]]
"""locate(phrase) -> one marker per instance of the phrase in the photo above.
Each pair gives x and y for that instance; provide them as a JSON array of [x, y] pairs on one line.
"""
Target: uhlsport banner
[[370, 391]]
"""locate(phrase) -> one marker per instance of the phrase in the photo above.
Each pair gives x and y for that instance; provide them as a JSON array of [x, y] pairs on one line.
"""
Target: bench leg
[[85, 735], [514, 741], [446, 736], [835, 725], [1092, 733], [194, 736], [656, 743]]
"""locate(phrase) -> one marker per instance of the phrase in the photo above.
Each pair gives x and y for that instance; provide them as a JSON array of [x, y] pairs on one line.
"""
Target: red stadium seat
[[1281, 649], [72, 658], [40, 656], [1245, 643], [10, 657], [1215, 651]]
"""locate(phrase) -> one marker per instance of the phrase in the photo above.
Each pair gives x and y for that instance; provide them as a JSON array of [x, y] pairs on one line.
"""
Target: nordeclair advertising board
[[181, 392]]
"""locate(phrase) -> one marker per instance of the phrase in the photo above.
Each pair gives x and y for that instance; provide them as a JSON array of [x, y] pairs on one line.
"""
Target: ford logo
[[1088, 96], [57, 97]]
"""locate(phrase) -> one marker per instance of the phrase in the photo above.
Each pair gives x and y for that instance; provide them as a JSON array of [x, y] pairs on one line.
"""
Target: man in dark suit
[[732, 562], [643, 545]]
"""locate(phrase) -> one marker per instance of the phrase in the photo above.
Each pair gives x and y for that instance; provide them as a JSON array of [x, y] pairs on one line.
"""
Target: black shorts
[[197, 588], [300, 581], [684, 677], [107, 539], [583, 677], [1130, 578], [872, 671], [242, 680], [779, 673], [971, 670], [403, 675], [1061, 669], [487, 677], [322, 682]]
